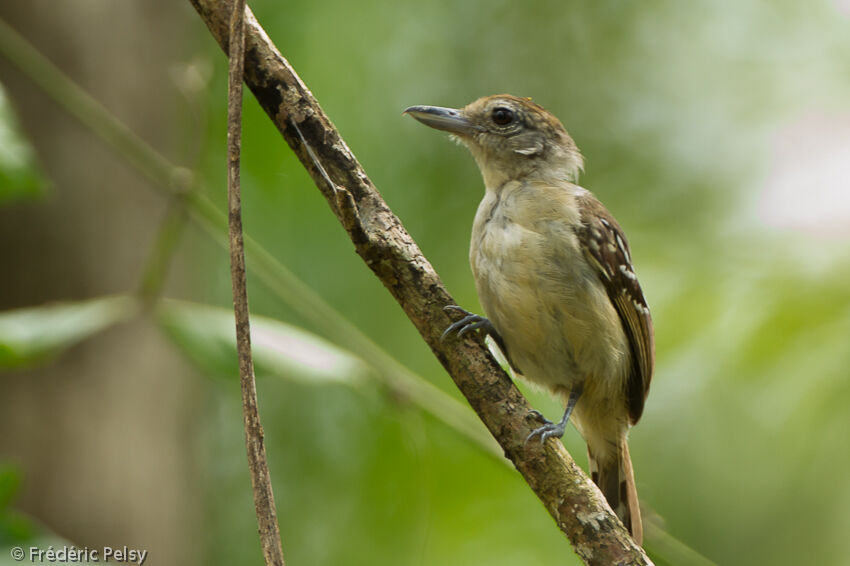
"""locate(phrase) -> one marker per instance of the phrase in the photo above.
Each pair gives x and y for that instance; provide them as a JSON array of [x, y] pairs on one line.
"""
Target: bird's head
[[510, 138]]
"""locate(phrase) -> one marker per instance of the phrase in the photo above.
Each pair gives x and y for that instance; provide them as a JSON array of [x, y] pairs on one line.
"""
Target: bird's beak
[[448, 119]]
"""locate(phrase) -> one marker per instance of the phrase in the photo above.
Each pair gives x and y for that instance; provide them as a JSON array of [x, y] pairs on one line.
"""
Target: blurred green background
[[718, 133]]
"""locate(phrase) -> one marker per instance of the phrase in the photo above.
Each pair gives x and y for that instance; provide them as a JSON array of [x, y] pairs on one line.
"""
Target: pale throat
[[496, 172]]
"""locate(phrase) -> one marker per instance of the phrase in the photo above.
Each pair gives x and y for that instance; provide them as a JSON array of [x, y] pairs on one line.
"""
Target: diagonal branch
[[380, 239], [183, 187]]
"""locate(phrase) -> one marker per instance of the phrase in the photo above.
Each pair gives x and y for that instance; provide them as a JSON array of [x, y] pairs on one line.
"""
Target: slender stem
[[82, 106], [170, 179], [162, 251], [257, 464], [577, 506], [287, 286]]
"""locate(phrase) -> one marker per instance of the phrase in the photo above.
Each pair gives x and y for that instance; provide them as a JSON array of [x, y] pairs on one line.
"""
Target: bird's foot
[[472, 321], [555, 430], [548, 430], [469, 322]]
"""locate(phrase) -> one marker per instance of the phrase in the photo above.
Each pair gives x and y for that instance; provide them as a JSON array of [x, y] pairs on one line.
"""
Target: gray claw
[[462, 324], [547, 431], [469, 322], [473, 322], [456, 308], [537, 415], [550, 429]]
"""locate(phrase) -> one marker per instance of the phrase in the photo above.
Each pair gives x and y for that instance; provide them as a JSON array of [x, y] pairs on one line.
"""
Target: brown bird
[[554, 274]]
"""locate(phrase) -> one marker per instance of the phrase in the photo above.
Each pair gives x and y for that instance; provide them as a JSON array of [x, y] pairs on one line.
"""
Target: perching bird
[[554, 274]]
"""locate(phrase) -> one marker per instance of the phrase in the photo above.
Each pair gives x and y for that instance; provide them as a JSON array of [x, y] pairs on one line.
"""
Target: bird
[[554, 275]]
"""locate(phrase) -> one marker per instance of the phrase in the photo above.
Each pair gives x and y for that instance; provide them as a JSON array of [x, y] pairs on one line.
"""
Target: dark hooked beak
[[447, 119]]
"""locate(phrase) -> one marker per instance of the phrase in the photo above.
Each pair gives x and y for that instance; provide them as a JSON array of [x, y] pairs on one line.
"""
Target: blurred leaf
[[14, 527], [20, 177], [207, 335], [19, 529], [10, 482], [33, 335]]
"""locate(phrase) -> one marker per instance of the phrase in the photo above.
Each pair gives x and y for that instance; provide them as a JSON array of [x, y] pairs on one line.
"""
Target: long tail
[[616, 480]]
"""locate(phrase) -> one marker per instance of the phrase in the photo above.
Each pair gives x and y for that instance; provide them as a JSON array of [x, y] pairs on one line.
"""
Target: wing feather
[[607, 249]]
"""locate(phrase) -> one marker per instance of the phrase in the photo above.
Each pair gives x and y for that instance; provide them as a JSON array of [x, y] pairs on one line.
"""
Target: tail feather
[[616, 480]]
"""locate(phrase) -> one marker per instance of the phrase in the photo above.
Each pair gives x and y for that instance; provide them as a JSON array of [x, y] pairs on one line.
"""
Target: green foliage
[[18, 531], [15, 528], [207, 335], [20, 178], [33, 335], [681, 110], [678, 110]]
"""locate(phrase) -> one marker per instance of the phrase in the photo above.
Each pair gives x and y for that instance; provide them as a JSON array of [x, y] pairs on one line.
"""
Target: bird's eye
[[503, 116]]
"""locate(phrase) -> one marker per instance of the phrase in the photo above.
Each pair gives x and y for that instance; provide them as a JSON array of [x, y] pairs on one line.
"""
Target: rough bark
[[380, 239]]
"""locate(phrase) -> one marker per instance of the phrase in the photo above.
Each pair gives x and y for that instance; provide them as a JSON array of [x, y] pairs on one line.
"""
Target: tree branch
[[380, 239], [260, 477], [181, 185]]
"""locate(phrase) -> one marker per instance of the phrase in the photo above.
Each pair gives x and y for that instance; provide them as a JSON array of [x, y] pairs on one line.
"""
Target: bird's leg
[[556, 430]]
